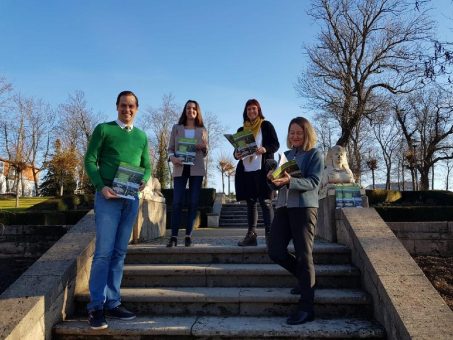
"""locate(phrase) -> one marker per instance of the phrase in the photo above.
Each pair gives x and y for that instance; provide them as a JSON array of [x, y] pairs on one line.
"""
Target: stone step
[[242, 219], [238, 208], [323, 253], [237, 217], [205, 327], [233, 275], [236, 301], [237, 224]]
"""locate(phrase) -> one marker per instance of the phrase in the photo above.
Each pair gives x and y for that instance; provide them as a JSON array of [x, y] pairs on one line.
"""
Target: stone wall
[[44, 294], [29, 240], [425, 238], [404, 301]]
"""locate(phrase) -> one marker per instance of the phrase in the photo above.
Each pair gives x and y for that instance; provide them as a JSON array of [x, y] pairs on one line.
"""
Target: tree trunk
[[424, 179], [35, 180], [22, 185], [16, 181]]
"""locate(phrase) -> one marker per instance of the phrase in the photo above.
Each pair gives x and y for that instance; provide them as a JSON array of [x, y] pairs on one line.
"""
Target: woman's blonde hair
[[310, 138]]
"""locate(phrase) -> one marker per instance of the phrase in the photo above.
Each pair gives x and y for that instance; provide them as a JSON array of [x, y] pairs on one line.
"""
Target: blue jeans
[[114, 220], [179, 189]]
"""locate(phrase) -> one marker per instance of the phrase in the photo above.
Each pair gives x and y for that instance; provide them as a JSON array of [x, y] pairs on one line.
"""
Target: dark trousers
[[179, 189], [297, 224], [252, 213]]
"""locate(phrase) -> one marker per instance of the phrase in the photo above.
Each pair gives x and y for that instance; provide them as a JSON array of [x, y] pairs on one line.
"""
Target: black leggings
[[252, 213], [297, 224]]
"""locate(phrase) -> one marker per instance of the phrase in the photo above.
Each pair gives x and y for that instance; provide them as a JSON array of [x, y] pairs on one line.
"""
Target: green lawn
[[24, 202]]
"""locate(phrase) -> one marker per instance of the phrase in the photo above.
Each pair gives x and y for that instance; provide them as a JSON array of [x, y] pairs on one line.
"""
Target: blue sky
[[220, 53]]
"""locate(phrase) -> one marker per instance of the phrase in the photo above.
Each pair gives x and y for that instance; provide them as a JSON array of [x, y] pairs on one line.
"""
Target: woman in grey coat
[[296, 214]]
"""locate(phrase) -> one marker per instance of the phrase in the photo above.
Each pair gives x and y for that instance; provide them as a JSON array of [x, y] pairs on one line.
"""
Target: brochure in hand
[[290, 167], [243, 141], [186, 150], [127, 180]]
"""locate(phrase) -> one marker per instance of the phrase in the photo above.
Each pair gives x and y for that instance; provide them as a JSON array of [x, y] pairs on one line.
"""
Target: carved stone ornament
[[152, 189], [336, 167]]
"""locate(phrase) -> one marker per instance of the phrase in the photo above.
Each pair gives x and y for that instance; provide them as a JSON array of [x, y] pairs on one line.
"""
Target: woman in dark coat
[[250, 180]]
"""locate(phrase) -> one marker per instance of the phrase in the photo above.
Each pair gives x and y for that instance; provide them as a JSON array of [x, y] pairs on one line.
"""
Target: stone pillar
[[152, 214], [151, 219], [326, 227]]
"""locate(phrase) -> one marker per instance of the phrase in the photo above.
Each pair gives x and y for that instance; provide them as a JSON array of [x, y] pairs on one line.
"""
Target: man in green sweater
[[110, 144]]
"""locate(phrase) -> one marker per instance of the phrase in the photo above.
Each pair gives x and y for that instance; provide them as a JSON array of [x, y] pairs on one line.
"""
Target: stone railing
[[404, 301], [44, 294]]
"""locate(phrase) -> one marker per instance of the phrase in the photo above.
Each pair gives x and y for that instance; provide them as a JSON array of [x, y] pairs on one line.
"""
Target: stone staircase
[[234, 215], [216, 290]]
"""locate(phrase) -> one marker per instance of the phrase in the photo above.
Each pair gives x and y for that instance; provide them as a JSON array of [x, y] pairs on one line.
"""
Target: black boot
[[300, 316], [249, 240], [267, 238], [188, 241], [295, 291], [173, 241]]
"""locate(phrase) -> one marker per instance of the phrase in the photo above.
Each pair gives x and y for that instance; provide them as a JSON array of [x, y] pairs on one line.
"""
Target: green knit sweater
[[109, 145]]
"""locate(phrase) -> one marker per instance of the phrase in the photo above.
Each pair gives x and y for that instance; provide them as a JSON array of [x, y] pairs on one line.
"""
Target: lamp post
[[372, 165], [414, 146]]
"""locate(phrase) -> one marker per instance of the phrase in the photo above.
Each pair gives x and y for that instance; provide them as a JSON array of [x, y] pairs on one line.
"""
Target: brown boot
[[249, 240]]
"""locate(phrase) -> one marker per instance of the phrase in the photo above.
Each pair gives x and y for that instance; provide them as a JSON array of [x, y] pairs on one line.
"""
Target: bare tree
[[449, 168], [387, 134], [215, 131], [14, 138], [40, 123], [427, 125], [5, 89], [365, 48], [225, 166], [160, 122], [75, 126], [325, 130]]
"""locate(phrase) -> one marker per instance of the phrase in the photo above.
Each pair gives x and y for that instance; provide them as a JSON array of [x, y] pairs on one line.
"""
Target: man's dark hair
[[126, 93]]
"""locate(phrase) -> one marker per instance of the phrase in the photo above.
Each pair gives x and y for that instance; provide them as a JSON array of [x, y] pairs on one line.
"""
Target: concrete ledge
[[425, 238], [44, 294], [404, 301]]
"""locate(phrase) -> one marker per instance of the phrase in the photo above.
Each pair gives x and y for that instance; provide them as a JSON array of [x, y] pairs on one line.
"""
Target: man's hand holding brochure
[[128, 180]]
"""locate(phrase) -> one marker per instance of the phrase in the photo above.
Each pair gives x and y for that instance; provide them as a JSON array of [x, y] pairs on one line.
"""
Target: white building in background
[[7, 174]]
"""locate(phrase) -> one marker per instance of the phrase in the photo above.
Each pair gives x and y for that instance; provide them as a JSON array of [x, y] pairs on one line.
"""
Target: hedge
[[53, 217], [380, 197], [415, 213], [207, 198]]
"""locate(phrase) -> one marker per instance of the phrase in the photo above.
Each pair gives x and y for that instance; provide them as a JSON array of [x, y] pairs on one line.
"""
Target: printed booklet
[[243, 141], [127, 180], [186, 150], [290, 167], [348, 196]]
